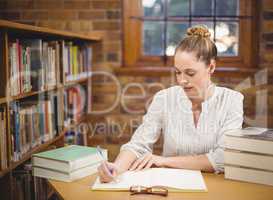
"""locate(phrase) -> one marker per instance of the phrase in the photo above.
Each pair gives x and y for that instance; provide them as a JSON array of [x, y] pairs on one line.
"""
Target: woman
[[192, 116]]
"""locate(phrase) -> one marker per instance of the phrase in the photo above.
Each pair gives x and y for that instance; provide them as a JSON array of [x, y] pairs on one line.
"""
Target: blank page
[[180, 179], [174, 179]]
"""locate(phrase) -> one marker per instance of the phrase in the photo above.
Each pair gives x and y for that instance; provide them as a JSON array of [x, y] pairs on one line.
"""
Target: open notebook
[[176, 180]]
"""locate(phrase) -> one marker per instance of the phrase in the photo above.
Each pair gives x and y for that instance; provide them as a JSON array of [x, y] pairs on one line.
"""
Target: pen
[[104, 160]]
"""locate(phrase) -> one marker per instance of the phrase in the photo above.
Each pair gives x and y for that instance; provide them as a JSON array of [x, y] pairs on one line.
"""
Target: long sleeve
[[149, 131], [233, 120]]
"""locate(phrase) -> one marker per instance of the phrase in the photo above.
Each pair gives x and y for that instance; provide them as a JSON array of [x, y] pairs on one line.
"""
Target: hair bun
[[198, 30]]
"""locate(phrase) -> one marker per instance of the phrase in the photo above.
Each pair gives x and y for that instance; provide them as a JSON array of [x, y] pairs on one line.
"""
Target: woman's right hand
[[107, 172]]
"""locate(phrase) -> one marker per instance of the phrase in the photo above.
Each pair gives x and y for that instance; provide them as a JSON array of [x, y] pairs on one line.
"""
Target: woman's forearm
[[125, 159], [197, 162]]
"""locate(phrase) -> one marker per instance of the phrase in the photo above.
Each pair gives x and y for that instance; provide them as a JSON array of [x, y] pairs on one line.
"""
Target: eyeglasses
[[156, 190]]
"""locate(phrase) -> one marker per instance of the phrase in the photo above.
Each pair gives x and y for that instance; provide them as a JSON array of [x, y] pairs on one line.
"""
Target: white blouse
[[170, 113]]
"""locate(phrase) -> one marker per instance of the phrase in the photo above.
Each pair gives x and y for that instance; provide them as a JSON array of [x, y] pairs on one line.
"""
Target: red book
[[46, 121]]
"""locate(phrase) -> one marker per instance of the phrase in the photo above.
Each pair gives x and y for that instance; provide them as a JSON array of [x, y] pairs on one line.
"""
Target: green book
[[63, 176], [75, 61], [68, 159]]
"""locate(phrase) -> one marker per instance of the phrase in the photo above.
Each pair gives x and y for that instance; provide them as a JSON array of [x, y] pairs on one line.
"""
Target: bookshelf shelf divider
[[12, 26], [36, 150], [74, 82], [3, 100]]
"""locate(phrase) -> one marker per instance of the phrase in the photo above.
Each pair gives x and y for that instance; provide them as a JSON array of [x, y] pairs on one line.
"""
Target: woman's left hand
[[147, 161]]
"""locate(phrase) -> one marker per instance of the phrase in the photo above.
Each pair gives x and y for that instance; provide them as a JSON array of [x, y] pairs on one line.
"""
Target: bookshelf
[[38, 69]]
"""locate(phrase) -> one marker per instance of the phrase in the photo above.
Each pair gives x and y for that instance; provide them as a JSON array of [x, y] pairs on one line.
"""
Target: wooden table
[[218, 189]]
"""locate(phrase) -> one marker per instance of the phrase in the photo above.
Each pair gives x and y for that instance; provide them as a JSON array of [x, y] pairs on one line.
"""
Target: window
[[153, 28]]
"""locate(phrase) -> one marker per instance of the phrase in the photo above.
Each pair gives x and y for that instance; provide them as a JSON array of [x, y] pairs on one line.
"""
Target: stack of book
[[67, 163], [249, 155]]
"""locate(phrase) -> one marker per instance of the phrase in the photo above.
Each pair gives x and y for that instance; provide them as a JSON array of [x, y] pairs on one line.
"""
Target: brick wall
[[85, 16], [115, 127]]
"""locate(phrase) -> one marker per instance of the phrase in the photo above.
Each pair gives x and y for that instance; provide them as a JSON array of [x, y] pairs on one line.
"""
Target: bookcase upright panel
[[3, 65]]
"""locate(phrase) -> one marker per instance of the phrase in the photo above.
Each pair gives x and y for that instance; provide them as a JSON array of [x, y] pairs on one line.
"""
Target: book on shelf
[[77, 61], [20, 66], [3, 139], [34, 65], [25, 186], [75, 137], [75, 104], [50, 64], [248, 155], [67, 163], [32, 124]]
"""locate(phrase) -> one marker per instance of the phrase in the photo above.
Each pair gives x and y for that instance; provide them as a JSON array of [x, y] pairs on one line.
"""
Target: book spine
[[79, 60], [249, 175], [3, 139], [249, 145], [19, 66], [252, 160], [31, 124]]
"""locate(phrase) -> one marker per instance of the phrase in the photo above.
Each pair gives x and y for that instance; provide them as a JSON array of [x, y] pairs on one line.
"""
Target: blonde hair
[[197, 40]]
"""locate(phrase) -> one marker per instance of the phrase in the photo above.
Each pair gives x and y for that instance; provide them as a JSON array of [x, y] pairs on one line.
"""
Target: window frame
[[132, 35]]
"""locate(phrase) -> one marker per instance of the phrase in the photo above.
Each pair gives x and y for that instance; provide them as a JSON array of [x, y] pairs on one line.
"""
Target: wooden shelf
[[253, 89], [168, 71], [82, 119], [70, 83], [29, 94], [36, 150], [3, 100], [25, 95], [50, 194], [34, 29], [4, 172], [144, 71]]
